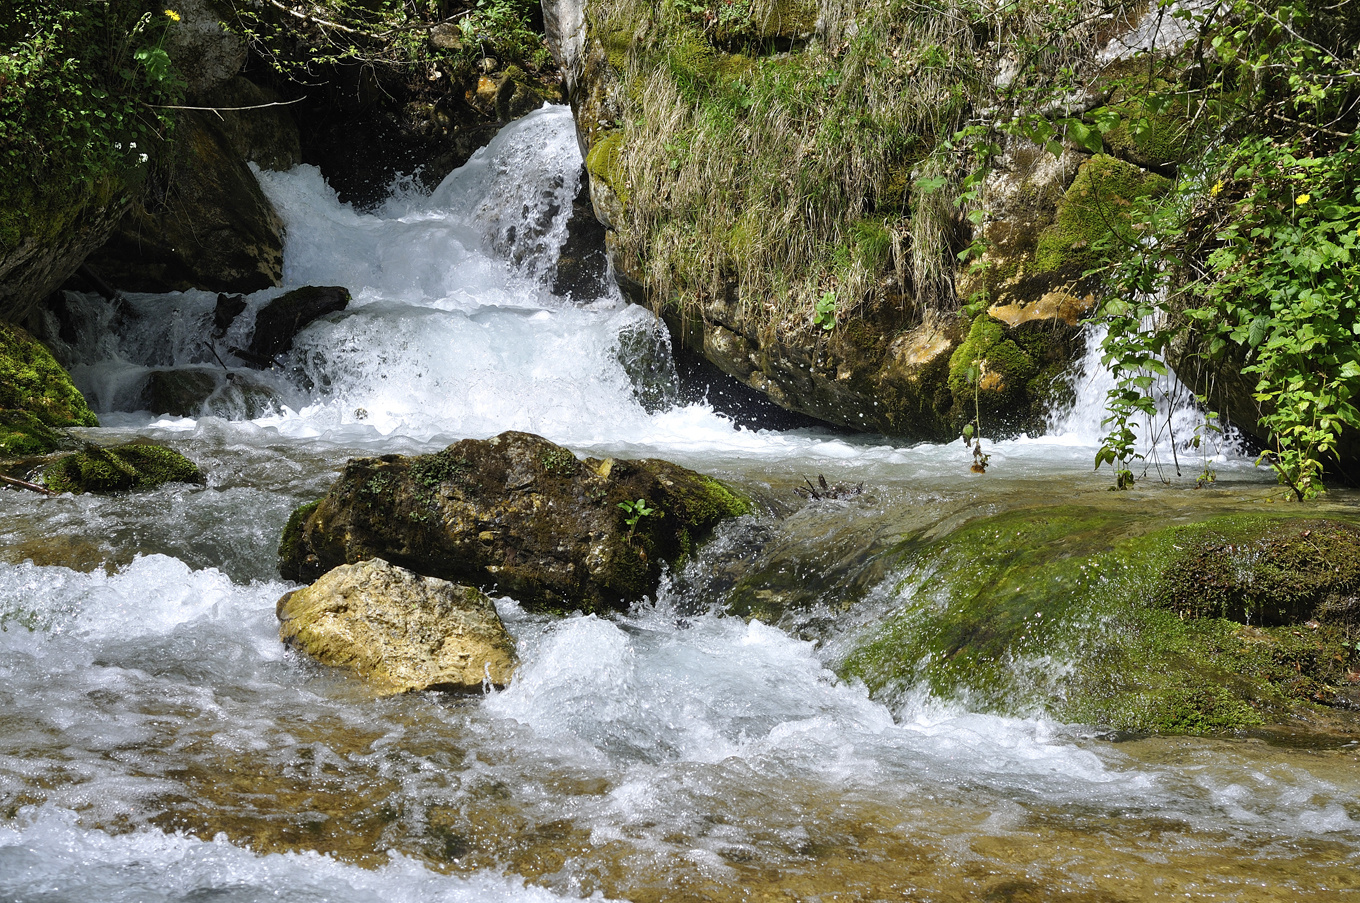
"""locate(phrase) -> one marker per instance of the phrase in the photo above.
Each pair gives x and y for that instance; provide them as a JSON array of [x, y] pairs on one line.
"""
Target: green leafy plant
[[634, 512], [1255, 262], [825, 313]]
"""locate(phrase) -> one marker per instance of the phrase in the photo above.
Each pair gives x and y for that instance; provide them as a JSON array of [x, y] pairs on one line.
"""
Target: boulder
[[178, 392], [259, 128], [135, 466], [204, 51], [515, 513], [279, 321], [204, 223], [399, 630]]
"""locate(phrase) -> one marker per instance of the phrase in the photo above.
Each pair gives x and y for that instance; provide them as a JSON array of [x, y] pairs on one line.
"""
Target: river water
[[158, 743]]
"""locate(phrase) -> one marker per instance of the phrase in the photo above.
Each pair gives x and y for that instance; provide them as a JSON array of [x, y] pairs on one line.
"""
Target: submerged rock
[[399, 630], [135, 466], [517, 513], [1099, 617]]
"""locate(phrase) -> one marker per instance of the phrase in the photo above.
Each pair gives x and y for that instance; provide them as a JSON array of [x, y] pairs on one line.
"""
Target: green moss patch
[[603, 163], [1093, 224], [1011, 377], [1093, 616], [32, 380], [22, 434], [137, 466]]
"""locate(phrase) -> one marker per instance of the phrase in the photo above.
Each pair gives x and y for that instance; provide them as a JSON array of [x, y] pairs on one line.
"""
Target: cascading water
[[158, 743]]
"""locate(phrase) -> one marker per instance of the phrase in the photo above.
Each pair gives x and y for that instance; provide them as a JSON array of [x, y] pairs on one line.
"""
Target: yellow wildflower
[[174, 16], [1217, 189], [1303, 199]]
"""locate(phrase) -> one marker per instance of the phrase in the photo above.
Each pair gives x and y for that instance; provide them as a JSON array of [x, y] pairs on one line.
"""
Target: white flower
[[142, 158]]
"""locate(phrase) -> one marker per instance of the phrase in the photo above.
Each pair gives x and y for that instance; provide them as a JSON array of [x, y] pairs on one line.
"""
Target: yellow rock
[[399, 630]]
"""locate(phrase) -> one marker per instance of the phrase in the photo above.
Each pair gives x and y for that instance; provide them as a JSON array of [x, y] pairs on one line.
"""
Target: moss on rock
[[22, 434], [32, 380], [1094, 616], [1010, 376], [136, 466], [1094, 215]]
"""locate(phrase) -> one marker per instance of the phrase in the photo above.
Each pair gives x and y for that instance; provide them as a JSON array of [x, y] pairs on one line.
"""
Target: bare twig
[[24, 484]]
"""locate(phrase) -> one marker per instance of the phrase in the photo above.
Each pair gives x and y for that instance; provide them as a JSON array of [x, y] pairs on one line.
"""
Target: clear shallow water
[[158, 743]]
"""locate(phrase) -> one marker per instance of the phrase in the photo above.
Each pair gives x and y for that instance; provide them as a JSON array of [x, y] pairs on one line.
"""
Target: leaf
[[1082, 134], [1257, 332]]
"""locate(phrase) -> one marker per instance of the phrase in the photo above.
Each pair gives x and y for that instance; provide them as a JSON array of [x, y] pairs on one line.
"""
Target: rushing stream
[[158, 743]]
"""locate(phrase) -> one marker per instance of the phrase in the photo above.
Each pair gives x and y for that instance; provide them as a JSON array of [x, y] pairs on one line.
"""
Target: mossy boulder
[[398, 630], [516, 514], [135, 466], [32, 380], [1092, 615]]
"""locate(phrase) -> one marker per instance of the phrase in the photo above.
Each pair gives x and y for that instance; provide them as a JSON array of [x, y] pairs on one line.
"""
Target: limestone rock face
[[209, 226], [399, 630], [516, 513]]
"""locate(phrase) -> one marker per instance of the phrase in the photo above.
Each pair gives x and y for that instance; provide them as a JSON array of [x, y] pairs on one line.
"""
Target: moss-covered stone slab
[[1102, 617], [135, 466], [516, 513], [1092, 226], [399, 630], [32, 380]]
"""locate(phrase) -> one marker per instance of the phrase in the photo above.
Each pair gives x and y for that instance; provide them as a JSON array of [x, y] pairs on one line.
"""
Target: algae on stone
[[135, 466], [1100, 617], [399, 630]]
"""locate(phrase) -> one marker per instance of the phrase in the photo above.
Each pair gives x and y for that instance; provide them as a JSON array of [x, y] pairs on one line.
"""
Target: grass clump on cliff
[[787, 152]]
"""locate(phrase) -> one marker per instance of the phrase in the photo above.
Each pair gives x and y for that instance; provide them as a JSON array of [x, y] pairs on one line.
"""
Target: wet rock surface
[[279, 321], [398, 630], [515, 513], [1234, 622]]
